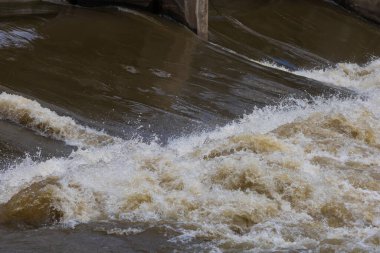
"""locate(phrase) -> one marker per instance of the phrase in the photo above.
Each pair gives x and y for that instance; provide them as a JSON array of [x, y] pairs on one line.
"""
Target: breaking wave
[[31, 114], [350, 75], [296, 177]]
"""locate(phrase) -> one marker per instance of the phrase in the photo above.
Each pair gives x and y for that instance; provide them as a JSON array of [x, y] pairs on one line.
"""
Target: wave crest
[[32, 115]]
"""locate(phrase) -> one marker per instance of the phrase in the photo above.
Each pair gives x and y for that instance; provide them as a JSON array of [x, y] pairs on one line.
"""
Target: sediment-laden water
[[122, 132]]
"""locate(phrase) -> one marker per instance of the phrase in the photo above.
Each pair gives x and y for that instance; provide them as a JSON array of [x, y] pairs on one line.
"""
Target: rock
[[369, 9]]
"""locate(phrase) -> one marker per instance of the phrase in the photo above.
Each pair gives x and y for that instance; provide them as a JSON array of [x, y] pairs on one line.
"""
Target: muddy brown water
[[132, 74]]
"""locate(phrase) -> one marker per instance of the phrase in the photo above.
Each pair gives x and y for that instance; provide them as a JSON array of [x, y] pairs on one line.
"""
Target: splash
[[31, 114], [349, 75], [298, 176]]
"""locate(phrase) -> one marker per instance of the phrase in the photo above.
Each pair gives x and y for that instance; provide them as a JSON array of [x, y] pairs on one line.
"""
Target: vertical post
[[202, 19], [193, 13]]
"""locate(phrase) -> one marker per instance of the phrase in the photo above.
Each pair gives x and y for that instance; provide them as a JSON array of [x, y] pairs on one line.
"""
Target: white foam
[[285, 177], [350, 75], [32, 115]]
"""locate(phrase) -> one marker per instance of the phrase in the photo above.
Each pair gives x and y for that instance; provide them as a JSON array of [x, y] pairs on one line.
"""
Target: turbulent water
[[295, 176], [300, 173]]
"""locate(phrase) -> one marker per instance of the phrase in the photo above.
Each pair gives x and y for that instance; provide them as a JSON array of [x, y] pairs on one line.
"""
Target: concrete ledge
[[192, 13]]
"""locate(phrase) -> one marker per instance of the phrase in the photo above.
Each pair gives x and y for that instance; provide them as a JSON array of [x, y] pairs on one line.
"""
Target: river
[[121, 131]]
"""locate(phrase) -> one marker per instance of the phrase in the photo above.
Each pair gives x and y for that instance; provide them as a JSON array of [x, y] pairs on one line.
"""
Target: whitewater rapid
[[295, 176]]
